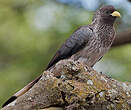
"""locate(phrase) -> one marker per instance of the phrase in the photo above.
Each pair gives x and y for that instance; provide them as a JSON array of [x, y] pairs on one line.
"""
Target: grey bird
[[87, 44]]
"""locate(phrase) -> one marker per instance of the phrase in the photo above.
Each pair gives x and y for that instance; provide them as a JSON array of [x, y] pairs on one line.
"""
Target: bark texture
[[71, 85]]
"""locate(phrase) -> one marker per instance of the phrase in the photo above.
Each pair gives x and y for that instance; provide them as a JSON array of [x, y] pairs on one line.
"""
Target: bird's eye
[[108, 12]]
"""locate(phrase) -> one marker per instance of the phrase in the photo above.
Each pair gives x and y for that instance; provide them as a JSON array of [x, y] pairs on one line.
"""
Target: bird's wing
[[72, 45]]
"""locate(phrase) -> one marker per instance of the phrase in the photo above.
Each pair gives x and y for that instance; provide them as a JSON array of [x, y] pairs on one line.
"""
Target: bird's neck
[[101, 22], [104, 32]]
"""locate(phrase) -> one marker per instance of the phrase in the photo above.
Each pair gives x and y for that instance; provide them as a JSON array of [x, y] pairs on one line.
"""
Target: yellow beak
[[116, 13]]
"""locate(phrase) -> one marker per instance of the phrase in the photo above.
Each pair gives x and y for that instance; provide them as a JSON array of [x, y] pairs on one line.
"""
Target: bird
[[87, 44]]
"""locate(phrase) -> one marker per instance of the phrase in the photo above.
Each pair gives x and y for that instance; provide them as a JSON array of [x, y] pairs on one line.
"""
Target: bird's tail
[[22, 91]]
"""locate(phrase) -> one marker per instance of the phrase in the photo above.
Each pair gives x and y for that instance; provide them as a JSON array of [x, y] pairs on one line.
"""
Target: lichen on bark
[[70, 85]]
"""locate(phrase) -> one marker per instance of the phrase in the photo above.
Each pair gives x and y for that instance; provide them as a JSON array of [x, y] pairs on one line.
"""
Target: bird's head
[[107, 14]]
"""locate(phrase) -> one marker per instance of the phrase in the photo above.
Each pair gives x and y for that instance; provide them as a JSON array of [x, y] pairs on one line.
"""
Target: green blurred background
[[32, 30]]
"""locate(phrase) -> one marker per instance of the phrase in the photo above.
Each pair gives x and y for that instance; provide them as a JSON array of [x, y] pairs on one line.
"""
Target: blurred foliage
[[30, 33]]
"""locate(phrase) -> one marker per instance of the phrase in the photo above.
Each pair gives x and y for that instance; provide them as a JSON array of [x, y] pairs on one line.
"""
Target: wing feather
[[73, 44]]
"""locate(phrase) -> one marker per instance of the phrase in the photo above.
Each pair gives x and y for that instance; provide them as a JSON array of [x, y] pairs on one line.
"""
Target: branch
[[71, 85], [122, 38]]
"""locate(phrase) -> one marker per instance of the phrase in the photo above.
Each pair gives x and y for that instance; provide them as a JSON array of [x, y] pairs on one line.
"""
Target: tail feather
[[22, 91], [9, 101]]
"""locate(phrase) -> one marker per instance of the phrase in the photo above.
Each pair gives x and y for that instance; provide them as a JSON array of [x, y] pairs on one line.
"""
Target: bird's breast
[[97, 46], [92, 52]]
